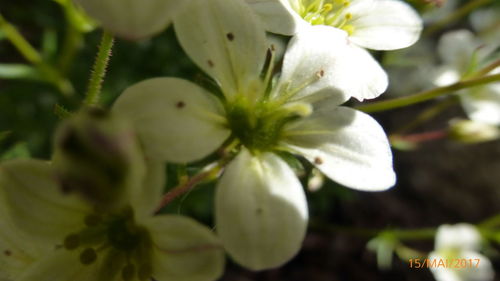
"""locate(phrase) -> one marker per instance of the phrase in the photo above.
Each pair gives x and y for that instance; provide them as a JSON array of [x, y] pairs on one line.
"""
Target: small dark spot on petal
[[318, 161], [210, 63], [321, 73], [273, 48], [7, 253], [259, 211], [230, 36], [180, 104]]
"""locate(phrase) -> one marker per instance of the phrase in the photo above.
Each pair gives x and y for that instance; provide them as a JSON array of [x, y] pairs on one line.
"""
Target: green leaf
[[18, 150], [18, 71], [49, 43]]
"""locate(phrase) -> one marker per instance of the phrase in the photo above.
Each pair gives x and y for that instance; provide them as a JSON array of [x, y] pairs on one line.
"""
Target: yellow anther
[[327, 8], [346, 3], [348, 28], [348, 16]]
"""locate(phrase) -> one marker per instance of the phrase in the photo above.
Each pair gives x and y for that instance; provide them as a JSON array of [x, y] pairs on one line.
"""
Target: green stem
[[188, 186], [72, 42], [99, 69], [19, 42], [427, 95], [487, 69], [33, 56], [456, 15]]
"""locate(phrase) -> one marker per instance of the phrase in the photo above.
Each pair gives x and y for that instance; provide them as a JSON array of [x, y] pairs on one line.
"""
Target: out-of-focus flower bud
[[469, 131], [132, 19], [97, 156]]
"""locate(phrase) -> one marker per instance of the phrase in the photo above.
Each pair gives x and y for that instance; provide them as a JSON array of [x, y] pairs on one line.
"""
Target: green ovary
[[256, 127], [326, 12]]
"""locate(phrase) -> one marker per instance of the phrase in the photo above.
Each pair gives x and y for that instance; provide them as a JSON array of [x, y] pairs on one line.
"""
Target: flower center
[[119, 240], [255, 126], [326, 12]]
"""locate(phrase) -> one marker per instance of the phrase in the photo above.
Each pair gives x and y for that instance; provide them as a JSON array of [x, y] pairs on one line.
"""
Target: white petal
[[260, 211], [145, 199], [460, 236], [348, 146], [171, 116], [278, 16], [385, 25], [319, 59], [132, 19], [456, 48], [225, 39], [446, 76], [17, 250], [184, 250], [36, 203], [482, 104], [61, 265]]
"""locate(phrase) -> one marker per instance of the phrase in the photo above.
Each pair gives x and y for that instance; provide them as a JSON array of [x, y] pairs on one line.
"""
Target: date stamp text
[[444, 263]]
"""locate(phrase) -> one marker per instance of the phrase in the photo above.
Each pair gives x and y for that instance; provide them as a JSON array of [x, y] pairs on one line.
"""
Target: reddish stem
[[423, 137], [184, 188]]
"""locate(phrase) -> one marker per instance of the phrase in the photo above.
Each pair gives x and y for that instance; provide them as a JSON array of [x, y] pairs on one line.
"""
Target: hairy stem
[[99, 69]]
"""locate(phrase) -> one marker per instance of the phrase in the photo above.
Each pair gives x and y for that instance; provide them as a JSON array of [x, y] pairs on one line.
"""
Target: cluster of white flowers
[[89, 214]]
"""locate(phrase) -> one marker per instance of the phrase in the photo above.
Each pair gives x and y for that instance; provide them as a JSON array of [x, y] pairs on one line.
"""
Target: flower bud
[[97, 156], [469, 131], [132, 19]]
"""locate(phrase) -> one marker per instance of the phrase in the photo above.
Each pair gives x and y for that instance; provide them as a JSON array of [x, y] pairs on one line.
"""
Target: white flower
[[132, 19], [371, 24], [462, 54], [460, 241], [75, 241], [261, 209]]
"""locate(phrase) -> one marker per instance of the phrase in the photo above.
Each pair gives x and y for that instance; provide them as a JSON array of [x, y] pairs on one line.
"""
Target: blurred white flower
[[261, 209], [132, 19], [460, 241], [65, 238], [469, 131], [486, 24], [462, 55]]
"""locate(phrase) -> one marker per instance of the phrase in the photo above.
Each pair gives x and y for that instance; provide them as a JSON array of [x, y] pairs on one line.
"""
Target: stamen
[[270, 68], [299, 108], [289, 93], [347, 17]]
